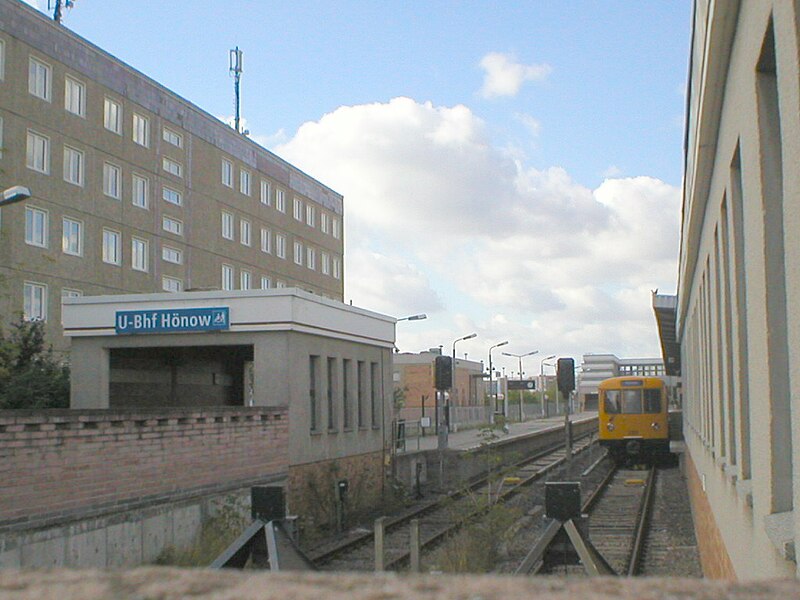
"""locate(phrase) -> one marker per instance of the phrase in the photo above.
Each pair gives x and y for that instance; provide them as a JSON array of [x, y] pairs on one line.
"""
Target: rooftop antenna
[[235, 69], [55, 6]]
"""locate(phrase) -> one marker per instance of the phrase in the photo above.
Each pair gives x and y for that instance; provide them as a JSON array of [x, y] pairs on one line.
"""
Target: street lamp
[[542, 381], [413, 318], [453, 378], [15, 194], [519, 357], [491, 375]]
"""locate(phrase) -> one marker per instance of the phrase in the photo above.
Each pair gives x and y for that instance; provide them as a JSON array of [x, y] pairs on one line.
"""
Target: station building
[[137, 190], [739, 277], [328, 364]]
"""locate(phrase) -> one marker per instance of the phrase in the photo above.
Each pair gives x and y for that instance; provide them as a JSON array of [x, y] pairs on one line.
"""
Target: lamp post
[[542, 382], [418, 317], [520, 357], [453, 380], [15, 194], [492, 395]]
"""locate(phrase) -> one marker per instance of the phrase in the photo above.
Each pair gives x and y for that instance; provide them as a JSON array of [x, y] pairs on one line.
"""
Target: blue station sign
[[177, 320]]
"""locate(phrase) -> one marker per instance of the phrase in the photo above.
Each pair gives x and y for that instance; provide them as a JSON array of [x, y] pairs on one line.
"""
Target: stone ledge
[[167, 584]]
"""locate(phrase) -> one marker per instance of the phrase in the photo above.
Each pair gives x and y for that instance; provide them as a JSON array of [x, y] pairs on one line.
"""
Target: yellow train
[[633, 418]]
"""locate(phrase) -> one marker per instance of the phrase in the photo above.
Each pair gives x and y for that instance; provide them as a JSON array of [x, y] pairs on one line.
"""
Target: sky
[[509, 169]]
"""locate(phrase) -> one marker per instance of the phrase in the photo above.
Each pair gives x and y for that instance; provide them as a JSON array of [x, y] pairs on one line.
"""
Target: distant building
[[414, 381], [735, 322], [597, 367], [136, 190]]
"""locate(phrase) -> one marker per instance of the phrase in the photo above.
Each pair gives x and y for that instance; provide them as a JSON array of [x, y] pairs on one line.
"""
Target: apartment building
[[136, 190]]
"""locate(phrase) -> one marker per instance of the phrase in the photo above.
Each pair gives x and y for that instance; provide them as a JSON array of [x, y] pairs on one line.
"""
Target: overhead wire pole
[[520, 357], [492, 395]]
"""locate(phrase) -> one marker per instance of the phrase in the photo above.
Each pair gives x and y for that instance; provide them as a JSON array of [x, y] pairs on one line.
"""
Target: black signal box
[[443, 373], [565, 375], [562, 500]]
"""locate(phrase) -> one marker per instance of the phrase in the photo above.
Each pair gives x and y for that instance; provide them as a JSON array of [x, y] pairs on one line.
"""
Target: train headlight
[[655, 426], [610, 426]]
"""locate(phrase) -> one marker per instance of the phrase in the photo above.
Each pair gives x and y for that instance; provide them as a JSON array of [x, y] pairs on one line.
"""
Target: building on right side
[[739, 275]]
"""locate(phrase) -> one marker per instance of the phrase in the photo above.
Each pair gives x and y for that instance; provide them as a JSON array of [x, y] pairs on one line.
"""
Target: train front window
[[611, 402], [652, 401], [632, 402]]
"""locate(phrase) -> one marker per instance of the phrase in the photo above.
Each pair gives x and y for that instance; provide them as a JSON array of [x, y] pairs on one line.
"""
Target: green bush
[[30, 375]]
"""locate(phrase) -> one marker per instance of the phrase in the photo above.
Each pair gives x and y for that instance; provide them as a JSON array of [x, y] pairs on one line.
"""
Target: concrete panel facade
[[738, 278]]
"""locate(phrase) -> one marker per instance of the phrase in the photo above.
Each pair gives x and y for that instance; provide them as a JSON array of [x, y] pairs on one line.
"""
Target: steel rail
[[642, 522]]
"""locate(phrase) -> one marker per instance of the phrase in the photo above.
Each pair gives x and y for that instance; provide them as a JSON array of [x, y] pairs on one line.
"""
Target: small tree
[[30, 375]]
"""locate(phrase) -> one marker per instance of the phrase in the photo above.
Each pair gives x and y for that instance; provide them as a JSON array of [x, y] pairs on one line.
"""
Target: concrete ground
[[471, 438], [168, 584]]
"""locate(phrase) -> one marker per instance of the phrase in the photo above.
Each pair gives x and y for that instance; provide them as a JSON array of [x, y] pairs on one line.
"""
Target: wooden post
[[415, 546], [379, 534]]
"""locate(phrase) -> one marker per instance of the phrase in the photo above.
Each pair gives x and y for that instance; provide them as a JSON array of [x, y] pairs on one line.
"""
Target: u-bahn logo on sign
[[172, 320]]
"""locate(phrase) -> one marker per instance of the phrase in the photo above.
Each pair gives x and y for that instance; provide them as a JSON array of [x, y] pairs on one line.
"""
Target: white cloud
[[440, 221], [504, 76], [532, 124], [612, 171]]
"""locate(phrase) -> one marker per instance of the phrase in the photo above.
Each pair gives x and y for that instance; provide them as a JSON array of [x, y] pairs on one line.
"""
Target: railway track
[[619, 512], [442, 518]]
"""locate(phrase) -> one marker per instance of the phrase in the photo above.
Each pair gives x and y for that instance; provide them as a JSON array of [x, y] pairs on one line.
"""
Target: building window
[[298, 209], [172, 137], [280, 245], [266, 240], [346, 393], [280, 200], [324, 221], [227, 173], [360, 374], [112, 247], [266, 283], [112, 116], [139, 252], [313, 369], [171, 196], [112, 175], [141, 130], [244, 182], [373, 393], [35, 303], [244, 280], [326, 263], [172, 167], [139, 191], [172, 225], [2, 60], [280, 284], [337, 268], [331, 388], [265, 192], [39, 79], [70, 293], [171, 255], [227, 225], [74, 96], [310, 215], [244, 232], [227, 277], [171, 284], [72, 237], [311, 258], [335, 228], [73, 166], [36, 227], [298, 253], [38, 156]]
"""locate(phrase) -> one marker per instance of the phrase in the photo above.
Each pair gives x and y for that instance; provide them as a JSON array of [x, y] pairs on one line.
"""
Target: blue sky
[[508, 168]]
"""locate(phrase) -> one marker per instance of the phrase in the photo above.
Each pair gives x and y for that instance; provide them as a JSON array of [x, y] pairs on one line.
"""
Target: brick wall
[[713, 555], [62, 464]]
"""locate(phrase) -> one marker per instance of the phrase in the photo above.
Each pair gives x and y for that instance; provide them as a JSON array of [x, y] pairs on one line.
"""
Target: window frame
[[70, 85], [108, 170], [140, 254], [245, 182], [145, 187], [117, 121], [81, 161], [107, 258], [227, 173], [171, 166], [141, 130], [66, 241], [266, 193], [171, 250], [228, 225], [166, 278], [171, 195], [172, 137], [177, 222], [245, 232], [228, 275], [34, 234], [27, 303], [33, 154], [34, 85]]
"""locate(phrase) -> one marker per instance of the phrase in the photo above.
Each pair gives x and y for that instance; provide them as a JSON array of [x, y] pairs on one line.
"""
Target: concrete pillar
[[415, 546], [380, 558], [89, 374]]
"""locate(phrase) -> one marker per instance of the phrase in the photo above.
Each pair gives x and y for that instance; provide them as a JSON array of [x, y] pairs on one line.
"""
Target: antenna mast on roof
[[235, 69], [55, 6]]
